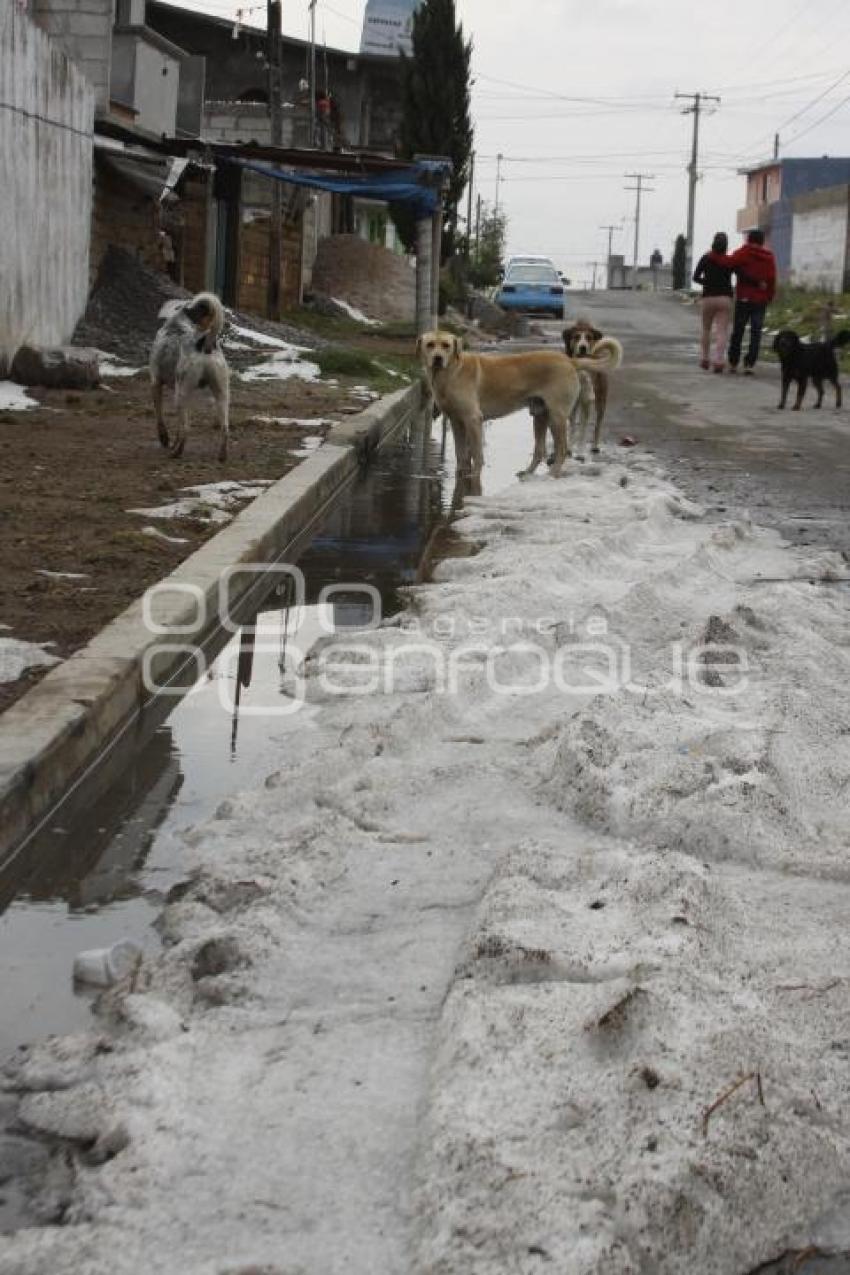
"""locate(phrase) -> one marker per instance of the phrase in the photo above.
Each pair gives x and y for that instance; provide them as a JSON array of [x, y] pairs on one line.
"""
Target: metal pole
[[693, 172], [273, 43], [424, 286], [499, 159]]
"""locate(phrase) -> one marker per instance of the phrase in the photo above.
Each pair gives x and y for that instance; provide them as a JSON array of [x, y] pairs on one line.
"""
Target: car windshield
[[530, 273]]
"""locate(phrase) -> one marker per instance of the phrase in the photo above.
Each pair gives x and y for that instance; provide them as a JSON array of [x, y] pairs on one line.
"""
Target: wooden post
[[273, 43]]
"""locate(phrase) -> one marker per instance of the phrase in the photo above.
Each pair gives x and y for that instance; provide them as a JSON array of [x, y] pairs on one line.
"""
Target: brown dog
[[471, 388], [579, 341]]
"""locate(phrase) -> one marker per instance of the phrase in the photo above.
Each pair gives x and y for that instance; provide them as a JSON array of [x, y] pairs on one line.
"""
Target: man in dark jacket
[[755, 267]]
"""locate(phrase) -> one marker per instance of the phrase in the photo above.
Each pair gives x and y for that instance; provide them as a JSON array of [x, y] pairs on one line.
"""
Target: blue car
[[532, 287]]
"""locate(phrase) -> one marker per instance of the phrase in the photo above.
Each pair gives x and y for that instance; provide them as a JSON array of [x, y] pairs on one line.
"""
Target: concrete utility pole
[[593, 265], [273, 39], [610, 230], [640, 190], [693, 174], [499, 159]]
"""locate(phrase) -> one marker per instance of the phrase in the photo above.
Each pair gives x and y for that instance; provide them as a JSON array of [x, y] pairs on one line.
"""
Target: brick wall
[[127, 218], [367, 276], [254, 266], [123, 216], [193, 255]]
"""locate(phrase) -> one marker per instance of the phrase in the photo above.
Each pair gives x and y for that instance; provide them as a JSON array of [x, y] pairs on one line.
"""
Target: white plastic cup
[[104, 966]]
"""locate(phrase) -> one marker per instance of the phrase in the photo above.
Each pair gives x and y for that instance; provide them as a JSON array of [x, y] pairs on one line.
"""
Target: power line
[[822, 120]]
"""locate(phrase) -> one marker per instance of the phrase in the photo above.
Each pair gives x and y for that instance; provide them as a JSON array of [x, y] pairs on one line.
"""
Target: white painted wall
[[46, 126], [819, 247]]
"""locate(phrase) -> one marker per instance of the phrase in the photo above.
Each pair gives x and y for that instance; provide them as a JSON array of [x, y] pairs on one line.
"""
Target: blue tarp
[[418, 185]]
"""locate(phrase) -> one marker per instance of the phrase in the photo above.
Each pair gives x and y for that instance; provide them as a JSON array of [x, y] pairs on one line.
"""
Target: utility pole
[[273, 42], [693, 173], [470, 193], [593, 265], [640, 190], [313, 129], [478, 227], [610, 230], [776, 146], [499, 159]]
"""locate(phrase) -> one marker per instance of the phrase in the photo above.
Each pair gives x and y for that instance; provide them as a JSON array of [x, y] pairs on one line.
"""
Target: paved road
[[722, 436]]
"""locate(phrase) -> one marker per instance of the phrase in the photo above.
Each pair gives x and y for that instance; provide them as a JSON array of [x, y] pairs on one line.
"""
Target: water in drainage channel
[[102, 873]]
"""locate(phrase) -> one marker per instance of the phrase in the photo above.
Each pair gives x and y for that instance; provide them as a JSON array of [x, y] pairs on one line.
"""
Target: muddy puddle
[[100, 868]]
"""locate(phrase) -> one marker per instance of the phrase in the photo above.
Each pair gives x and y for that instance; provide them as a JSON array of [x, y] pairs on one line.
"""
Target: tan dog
[[471, 388], [580, 339]]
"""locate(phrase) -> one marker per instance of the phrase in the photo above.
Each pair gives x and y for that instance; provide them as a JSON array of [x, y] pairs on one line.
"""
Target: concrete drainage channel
[[98, 867]]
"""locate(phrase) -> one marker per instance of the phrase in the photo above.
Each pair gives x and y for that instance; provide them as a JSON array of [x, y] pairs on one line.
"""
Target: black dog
[[802, 362]]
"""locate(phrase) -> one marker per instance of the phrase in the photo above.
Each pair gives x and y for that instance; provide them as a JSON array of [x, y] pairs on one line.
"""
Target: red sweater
[[755, 267]]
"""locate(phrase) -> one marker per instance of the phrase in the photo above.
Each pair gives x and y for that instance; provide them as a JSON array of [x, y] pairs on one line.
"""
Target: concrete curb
[[54, 733]]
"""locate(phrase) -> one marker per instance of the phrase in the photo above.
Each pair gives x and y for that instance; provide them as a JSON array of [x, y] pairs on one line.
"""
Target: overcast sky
[[577, 93]]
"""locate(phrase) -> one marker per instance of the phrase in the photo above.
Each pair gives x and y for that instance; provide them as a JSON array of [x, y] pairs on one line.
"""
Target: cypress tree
[[436, 107], [680, 261]]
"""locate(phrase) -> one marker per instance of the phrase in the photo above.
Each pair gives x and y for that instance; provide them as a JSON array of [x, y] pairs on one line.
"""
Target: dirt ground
[[72, 469]]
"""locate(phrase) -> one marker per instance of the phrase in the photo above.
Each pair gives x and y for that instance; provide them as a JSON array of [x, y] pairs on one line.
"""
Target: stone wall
[[367, 276]]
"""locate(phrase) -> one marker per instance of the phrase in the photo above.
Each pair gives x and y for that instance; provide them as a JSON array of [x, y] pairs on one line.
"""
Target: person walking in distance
[[755, 267], [716, 307]]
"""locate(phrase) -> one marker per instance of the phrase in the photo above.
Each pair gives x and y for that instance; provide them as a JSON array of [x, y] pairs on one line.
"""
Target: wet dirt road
[[722, 437]]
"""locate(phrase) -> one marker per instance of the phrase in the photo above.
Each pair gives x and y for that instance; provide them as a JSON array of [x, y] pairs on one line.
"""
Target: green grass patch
[[332, 328], [806, 313], [384, 372]]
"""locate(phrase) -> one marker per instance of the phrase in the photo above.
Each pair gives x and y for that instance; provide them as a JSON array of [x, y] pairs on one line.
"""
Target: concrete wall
[[157, 88], [239, 122], [146, 78], [374, 280], [46, 124], [83, 28], [819, 257]]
